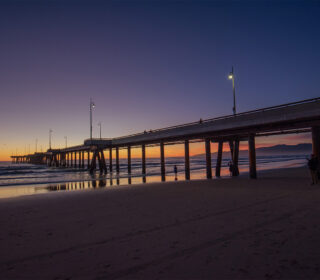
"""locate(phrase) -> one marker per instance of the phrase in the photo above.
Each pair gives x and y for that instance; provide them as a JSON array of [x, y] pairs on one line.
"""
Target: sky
[[147, 65]]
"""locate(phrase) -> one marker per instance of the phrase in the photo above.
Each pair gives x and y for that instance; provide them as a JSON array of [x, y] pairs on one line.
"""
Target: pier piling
[[143, 160], [163, 168], [219, 158], [187, 159], [208, 158], [315, 130], [117, 161], [110, 160], [252, 157], [129, 160]]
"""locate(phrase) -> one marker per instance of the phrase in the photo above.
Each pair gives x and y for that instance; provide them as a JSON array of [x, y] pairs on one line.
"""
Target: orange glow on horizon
[[178, 149]]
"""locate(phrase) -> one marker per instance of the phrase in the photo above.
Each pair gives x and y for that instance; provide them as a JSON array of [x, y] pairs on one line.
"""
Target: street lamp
[[50, 134], [65, 138], [99, 124], [36, 144], [92, 105], [231, 77]]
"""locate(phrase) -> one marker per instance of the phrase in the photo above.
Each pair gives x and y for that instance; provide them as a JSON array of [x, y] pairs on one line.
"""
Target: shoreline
[[23, 189]]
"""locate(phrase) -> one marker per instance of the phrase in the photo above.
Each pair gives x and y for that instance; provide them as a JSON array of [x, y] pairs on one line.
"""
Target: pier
[[297, 117]]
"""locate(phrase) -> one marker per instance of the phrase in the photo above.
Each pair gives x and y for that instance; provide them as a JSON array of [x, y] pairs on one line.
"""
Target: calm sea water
[[23, 179]]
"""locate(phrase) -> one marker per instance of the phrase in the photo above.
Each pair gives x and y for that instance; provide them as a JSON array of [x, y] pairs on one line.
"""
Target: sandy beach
[[208, 229]]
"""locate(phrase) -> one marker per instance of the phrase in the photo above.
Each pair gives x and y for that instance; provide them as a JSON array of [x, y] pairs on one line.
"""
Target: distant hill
[[300, 149], [305, 148]]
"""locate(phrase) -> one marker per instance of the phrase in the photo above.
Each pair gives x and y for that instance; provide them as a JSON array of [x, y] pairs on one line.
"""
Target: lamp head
[[230, 77]]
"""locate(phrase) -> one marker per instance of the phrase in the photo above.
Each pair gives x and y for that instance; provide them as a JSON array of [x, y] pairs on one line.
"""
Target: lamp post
[[91, 107], [36, 144], [50, 134], [231, 77], [99, 124], [66, 139]]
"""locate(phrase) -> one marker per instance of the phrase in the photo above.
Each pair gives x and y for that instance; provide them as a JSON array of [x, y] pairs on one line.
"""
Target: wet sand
[[210, 229]]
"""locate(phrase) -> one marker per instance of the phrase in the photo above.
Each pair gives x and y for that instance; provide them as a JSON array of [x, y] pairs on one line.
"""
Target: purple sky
[[147, 64]]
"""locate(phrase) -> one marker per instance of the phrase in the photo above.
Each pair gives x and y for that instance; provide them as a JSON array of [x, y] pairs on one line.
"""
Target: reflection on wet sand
[[97, 182]]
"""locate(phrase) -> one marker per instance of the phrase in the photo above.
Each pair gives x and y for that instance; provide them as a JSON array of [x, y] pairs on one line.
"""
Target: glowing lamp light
[[230, 77]]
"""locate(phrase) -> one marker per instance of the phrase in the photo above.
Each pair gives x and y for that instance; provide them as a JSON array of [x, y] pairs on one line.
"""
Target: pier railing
[[222, 117]]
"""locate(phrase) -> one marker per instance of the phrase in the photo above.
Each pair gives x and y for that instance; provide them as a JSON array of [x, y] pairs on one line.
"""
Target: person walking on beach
[[230, 164], [175, 170], [313, 167]]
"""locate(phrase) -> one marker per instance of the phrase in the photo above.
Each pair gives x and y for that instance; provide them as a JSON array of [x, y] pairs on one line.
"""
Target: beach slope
[[210, 229]]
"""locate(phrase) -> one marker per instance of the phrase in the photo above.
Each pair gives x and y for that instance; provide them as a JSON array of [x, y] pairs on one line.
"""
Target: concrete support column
[[219, 158], [162, 160], [88, 160], [75, 160], [117, 160], [129, 160], [208, 158], [315, 130], [252, 157], [186, 160], [234, 149], [236, 158], [67, 159], [231, 149], [102, 163], [143, 161], [93, 164], [110, 159], [82, 159]]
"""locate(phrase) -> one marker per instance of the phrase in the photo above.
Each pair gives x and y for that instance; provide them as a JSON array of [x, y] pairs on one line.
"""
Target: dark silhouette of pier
[[297, 117]]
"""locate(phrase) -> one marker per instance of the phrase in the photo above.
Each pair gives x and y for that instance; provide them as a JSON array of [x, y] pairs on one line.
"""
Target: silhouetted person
[[102, 182], [175, 170], [200, 121], [230, 164], [313, 167]]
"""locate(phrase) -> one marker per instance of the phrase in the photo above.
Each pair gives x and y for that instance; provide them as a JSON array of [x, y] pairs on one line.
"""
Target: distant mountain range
[[300, 149]]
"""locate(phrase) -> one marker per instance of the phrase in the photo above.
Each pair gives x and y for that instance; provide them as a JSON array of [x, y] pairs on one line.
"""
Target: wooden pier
[[297, 117]]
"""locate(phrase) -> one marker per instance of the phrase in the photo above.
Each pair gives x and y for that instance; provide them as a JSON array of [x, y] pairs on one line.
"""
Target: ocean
[[26, 179]]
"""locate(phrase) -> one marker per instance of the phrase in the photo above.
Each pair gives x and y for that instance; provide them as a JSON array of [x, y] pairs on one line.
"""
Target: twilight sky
[[147, 64]]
